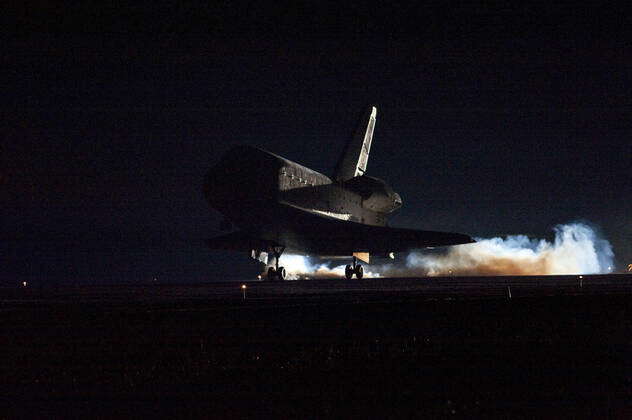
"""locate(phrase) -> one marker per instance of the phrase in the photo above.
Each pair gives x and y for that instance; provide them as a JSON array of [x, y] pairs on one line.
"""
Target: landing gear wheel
[[348, 272], [359, 271], [276, 272]]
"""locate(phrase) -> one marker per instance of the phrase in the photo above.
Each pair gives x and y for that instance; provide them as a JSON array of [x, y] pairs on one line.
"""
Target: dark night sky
[[490, 122]]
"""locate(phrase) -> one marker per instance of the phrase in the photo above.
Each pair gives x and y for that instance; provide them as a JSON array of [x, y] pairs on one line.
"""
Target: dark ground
[[379, 348]]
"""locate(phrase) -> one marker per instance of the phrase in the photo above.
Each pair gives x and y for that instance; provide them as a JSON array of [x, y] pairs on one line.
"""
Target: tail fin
[[353, 161]]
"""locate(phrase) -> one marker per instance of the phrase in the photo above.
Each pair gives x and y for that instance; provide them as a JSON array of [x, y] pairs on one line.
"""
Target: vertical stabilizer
[[353, 161]]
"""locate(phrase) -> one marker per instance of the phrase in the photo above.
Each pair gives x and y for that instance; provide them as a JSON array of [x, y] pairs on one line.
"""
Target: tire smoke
[[576, 249]]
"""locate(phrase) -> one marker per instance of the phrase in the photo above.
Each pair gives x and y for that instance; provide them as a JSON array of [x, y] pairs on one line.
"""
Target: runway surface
[[322, 290], [508, 347]]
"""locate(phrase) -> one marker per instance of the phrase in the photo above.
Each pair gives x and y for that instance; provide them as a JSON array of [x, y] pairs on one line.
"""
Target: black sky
[[491, 121]]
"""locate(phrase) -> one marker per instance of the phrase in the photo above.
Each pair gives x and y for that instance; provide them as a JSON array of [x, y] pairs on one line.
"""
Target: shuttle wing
[[314, 233], [331, 236]]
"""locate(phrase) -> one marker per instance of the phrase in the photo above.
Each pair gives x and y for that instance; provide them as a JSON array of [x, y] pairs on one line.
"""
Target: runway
[[509, 347], [322, 290]]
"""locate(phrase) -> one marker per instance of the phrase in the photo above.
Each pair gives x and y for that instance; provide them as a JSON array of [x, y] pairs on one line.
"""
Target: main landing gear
[[356, 269], [276, 272]]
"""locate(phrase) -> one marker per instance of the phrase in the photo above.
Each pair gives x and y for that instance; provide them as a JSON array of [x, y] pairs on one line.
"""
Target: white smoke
[[576, 249]]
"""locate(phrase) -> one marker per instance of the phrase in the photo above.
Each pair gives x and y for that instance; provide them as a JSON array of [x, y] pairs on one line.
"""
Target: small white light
[[259, 277], [581, 277], [243, 286], [24, 284]]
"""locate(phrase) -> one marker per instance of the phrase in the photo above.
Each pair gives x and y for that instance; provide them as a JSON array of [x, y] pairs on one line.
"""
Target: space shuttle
[[278, 205]]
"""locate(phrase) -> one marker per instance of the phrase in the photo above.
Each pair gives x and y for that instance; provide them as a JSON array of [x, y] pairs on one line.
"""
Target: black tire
[[348, 272], [271, 273], [281, 273], [359, 271]]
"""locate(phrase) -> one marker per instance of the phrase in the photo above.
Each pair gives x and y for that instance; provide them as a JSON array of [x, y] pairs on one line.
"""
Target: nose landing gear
[[276, 272], [356, 269]]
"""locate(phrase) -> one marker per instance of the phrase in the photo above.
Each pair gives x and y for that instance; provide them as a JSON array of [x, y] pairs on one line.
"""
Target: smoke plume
[[576, 249]]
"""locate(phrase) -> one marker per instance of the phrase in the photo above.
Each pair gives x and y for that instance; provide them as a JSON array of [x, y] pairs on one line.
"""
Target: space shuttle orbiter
[[280, 205]]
